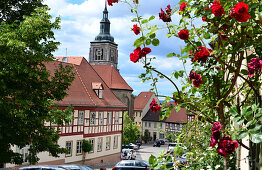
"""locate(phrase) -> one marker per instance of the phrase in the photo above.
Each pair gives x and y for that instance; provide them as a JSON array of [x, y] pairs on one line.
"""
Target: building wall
[[157, 127], [76, 132], [126, 97]]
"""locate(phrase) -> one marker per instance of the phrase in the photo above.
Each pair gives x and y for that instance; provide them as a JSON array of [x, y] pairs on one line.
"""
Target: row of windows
[[155, 124], [99, 148], [92, 120]]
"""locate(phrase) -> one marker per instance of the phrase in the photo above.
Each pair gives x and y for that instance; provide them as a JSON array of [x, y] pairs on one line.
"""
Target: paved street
[[142, 154], [147, 149]]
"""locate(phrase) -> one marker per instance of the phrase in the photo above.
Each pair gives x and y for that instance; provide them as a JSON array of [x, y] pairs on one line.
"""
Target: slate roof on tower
[[112, 77], [80, 93], [142, 99]]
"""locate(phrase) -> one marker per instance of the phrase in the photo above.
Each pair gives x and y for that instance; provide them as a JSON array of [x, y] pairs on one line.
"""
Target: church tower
[[103, 50]]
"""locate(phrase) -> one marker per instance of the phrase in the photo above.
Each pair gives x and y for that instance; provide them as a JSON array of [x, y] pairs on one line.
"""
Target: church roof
[[142, 99], [112, 77], [72, 60], [80, 93]]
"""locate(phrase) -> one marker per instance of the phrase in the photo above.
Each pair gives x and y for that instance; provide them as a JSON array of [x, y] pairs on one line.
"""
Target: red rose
[[240, 12], [254, 65], [154, 106], [226, 146], [217, 9], [241, 8], [192, 75], [183, 6], [197, 81], [260, 21], [165, 16], [216, 127], [214, 139], [136, 29], [183, 34], [145, 51], [202, 54], [134, 57], [110, 2]]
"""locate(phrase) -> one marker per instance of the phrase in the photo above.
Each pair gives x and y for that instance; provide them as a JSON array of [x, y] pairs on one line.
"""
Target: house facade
[[99, 96], [141, 107]]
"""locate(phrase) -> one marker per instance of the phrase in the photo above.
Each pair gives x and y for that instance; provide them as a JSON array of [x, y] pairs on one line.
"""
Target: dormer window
[[98, 89]]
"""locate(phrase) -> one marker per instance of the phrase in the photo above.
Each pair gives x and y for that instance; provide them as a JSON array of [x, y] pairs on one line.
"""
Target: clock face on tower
[[99, 54]]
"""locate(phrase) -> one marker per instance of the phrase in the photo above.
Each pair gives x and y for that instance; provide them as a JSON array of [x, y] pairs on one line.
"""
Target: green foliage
[[87, 146], [27, 89], [146, 137], [130, 130]]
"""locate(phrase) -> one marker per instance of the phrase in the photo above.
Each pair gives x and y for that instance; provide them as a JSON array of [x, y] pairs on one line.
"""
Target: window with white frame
[[101, 118], [92, 118], [116, 117], [155, 125], [145, 124], [108, 141], [160, 125], [69, 148], [99, 144], [79, 147], [81, 115], [98, 89], [149, 124], [109, 118], [115, 142], [25, 152], [92, 141]]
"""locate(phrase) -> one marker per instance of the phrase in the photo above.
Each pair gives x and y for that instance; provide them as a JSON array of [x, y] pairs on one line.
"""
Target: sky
[[80, 24]]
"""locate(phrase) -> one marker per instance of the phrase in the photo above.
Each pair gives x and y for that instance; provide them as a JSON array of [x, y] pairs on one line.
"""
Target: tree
[[27, 89], [146, 136], [130, 130], [14, 10], [86, 147], [223, 86]]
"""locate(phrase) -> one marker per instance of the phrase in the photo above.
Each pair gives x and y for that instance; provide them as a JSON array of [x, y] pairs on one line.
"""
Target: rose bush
[[223, 86]]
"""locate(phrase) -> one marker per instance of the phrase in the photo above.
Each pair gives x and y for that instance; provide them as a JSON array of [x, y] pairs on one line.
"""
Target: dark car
[[162, 142], [138, 143], [157, 143], [131, 164], [75, 167], [127, 147]]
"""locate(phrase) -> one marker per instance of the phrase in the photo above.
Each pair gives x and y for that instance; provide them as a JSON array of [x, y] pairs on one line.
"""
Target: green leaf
[[152, 160], [236, 119], [233, 111], [144, 21], [256, 138], [250, 123], [152, 36], [255, 129], [151, 18], [155, 42], [242, 134], [148, 41], [170, 55], [244, 72], [207, 36]]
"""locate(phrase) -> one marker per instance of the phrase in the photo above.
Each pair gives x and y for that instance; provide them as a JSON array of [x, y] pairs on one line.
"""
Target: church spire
[[104, 34]]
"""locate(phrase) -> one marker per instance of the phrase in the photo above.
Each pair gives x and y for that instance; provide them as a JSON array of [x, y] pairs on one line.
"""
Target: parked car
[[171, 146], [132, 164], [127, 147], [157, 143], [162, 142], [138, 143], [42, 167], [75, 167], [133, 146], [128, 154]]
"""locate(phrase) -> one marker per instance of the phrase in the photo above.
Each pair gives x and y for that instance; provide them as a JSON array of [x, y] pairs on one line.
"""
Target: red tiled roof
[[177, 117], [80, 92], [72, 60], [112, 77], [142, 99]]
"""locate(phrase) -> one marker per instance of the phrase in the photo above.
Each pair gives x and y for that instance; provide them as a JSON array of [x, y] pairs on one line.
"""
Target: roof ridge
[[84, 85]]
